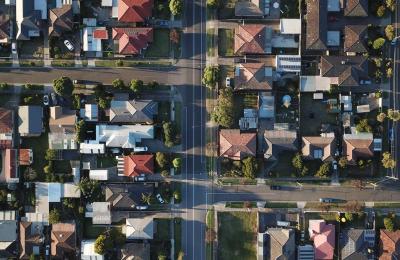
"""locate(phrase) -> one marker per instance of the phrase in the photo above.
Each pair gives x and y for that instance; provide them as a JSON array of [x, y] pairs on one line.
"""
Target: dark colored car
[[275, 187]]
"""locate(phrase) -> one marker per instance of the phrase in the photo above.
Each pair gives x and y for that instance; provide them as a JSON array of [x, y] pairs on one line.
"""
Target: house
[[30, 121], [61, 20], [253, 76], [347, 71], [132, 40], [30, 16], [31, 239], [355, 37], [6, 128], [90, 113], [123, 136], [355, 243], [92, 39], [323, 235], [236, 145], [137, 164], [389, 245], [99, 174], [101, 213], [318, 147], [278, 141], [358, 146], [316, 25], [131, 11], [276, 243], [63, 240], [11, 166], [62, 128], [252, 39], [87, 251], [356, 8], [129, 251], [139, 228], [305, 252], [8, 234], [133, 111], [126, 196], [91, 147], [5, 28]]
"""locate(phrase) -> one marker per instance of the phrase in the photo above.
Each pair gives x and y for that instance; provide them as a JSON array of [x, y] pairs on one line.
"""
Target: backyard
[[160, 47], [106, 161], [225, 42], [39, 145], [237, 235]]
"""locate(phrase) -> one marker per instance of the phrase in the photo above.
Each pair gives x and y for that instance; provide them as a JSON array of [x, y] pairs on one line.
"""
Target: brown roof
[[6, 121], [355, 148], [136, 164], [135, 251], [316, 25], [11, 166], [4, 26], [131, 11], [25, 156], [62, 120], [252, 76], [389, 245], [61, 20], [63, 239], [318, 147], [250, 38], [132, 40], [28, 238], [354, 38], [356, 8], [236, 145]]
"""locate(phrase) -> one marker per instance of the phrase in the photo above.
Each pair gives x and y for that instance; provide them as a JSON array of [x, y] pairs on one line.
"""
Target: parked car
[[140, 149], [69, 45], [334, 164], [162, 23], [327, 200], [14, 48], [160, 199], [54, 99], [143, 207], [46, 100], [47, 250], [139, 178], [275, 187], [77, 81], [228, 82]]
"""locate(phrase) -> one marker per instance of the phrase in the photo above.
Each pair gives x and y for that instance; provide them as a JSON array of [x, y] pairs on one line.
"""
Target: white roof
[[54, 192], [290, 26], [91, 112], [100, 174], [87, 251], [92, 148], [106, 3], [124, 136], [314, 83], [101, 213], [89, 42]]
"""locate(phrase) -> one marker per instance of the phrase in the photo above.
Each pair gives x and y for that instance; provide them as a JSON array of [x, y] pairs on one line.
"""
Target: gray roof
[[126, 196], [316, 25], [281, 244], [248, 8], [353, 245], [30, 120], [31, 18], [133, 111], [279, 140]]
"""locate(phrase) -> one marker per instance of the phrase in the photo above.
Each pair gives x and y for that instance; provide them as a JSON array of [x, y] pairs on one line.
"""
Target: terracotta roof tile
[[6, 121], [135, 165], [100, 34], [236, 145], [134, 10], [250, 38], [132, 40]]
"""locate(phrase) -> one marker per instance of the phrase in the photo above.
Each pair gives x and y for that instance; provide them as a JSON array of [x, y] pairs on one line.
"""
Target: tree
[[304, 171], [177, 195], [90, 189], [48, 169], [378, 43], [174, 36], [389, 224], [30, 174], [363, 126], [343, 162], [146, 198], [99, 245], [80, 128], [297, 161], [393, 114], [389, 72], [212, 3], [387, 161], [165, 173], [162, 160], [249, 167], [76, 102], [177, 162], [63, 86], [391, 5], [349, 216], [381, 117], [210, 76], [54, 216], [169, 134], [103, 103], [175, 6], [380, 12], [4, 86], [50, 154], [118, 84], [223, 112], [389, 32], [323, 170], [136, 85], [181, 255], [162, 256]]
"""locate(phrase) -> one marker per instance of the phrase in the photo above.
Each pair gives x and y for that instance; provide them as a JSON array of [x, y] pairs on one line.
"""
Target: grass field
[[225, 42], [160, 47], [237, 234]]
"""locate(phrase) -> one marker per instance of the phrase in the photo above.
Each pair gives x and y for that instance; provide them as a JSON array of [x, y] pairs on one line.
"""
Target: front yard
[[237, 235], [160, 47], [225, 42]]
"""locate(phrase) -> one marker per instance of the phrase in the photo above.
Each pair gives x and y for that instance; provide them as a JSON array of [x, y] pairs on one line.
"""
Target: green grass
[[132, 63], [237, 234], [39, 145], [210, 42], [240, 204], [92, 231], [63, 63], [5, 63], [210, 220], [160, 47], [163, 229], [31, 63], [209, 251], [237, 181], [276, 205], [106, 162], [387, 205], [379, 217], [225, 42], [178, 235]]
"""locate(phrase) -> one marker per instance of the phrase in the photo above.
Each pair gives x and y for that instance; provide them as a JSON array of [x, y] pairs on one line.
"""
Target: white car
[[69, 45], [143, 207], [228, 82], [139, 178], [46, 100], [160, 199], [14, 48]]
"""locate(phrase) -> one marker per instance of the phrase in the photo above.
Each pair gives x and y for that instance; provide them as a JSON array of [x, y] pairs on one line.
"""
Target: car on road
[[160, 199], [142, 207], [54, 99], [69, 45], [14, 48], [46, 100], [77, 81], [275, 187], [228, 82], [139, 178], [327, 200], [47, 250]]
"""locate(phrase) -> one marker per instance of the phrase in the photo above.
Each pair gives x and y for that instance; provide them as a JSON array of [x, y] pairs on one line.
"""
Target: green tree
[[212, 3], [381, 117], [54, 216], [103, 103], [391, 5], [177, 195], [249, 167], [146, 198], [323, 170], [50, 154], [210, 76], [389, 72], [378, 43], [63, 86], [389, 224], [181, 255], [380, 12], [389, 32], [90, 189], [80, 128], [223, 112], [349, 216], [76, 102], [343, 162], [363, 126], [136, 85], [393, 114], [48, 169], [118, 84], [177, 162], [4, 86], [169, 134], [162, 160], [304, 171], [100, 245], [175, 6], [297, 161], [387, 161]]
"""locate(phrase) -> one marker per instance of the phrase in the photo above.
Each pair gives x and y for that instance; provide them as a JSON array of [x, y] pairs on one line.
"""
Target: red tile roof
[[135, 165], [132, 40], [6, 121], [236, 145], [100, 34], [323, 236], [25, 156], [132, 11], [389, 244], [11, 167], [250, 38]]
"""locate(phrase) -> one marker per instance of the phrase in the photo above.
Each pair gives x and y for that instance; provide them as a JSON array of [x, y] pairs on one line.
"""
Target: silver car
[[69, 45]]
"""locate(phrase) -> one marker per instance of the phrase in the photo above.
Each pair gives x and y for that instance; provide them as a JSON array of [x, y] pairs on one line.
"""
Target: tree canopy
[[389, 224], [54, 216], [223, 113], [210, 76], [387, 161], [118, 83], [323, 170], [63, 86], [162, 160], [249, 167], [378, 43], [136, 85], [175, 6]]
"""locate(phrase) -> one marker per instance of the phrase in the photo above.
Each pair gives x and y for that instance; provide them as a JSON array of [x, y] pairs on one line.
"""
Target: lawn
[[237, 235], [106, 162], [379, 217], [210, 42], [290, 8], [277, 205], [160, 47], [163, 229], [92, 231], [225, 42], [39, 145], [63, 63], [31, 63], [132, 63], [164, 111], [240, 204], [284, 167]]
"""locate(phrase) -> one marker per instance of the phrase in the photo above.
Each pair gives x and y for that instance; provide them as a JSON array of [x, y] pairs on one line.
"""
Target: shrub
[[119, 63], [363, 126], [136, 85], [175, 6], [118, 83], [210, 76], [387, 161], [343, 162], [63, 86], [212, 3], [162, 160], [323, 170], [381, 117], [378, 43], [389, 32], [223, 112], [389, 224], [249, 167], [380, 12], [349, 216], [54, 216]]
